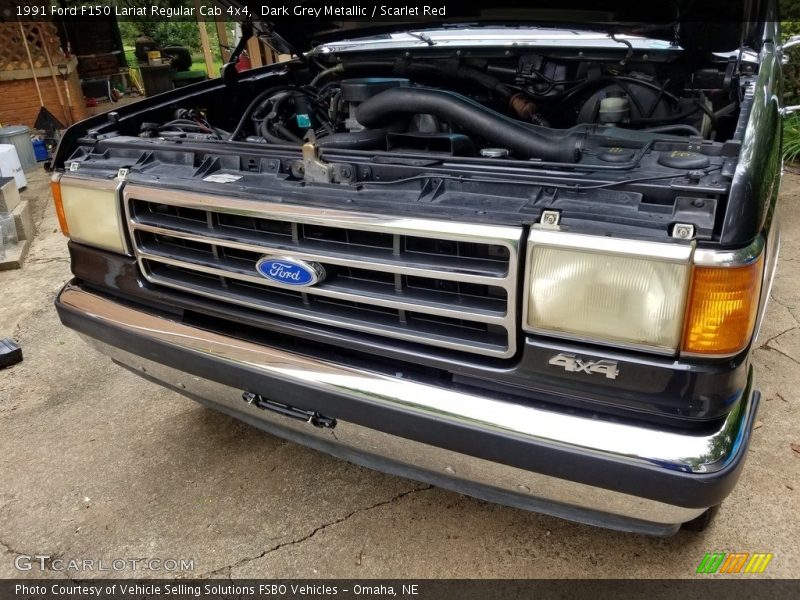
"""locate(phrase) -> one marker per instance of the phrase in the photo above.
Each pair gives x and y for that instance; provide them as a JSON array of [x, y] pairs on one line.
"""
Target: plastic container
[[20, 137], [39, 150], [10, 165]]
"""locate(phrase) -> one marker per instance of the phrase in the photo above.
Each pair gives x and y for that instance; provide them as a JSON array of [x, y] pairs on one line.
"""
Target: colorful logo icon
[[734, 562]]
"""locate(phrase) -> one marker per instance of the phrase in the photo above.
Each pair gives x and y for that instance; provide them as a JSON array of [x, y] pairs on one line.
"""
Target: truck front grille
[[439, 283]]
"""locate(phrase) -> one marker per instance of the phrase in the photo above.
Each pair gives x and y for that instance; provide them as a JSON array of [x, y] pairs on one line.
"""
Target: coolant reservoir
[[614, 109]]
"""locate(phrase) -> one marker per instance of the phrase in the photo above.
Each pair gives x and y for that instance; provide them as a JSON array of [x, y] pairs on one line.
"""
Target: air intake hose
[[523, 139]]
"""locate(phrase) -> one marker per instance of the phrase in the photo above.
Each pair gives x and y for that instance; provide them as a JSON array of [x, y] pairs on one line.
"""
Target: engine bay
[[624, 140], [530, 107]]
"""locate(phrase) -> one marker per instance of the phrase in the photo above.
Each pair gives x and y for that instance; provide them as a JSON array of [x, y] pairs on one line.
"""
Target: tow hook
[[309, 416]]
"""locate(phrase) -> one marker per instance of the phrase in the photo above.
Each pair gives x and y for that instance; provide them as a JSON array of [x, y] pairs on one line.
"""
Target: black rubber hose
[[677, 127], [367, 139], [524, 141], [486, 80], [456, 72], [286, 133], [666, 120], [252, 106], [269, 136]]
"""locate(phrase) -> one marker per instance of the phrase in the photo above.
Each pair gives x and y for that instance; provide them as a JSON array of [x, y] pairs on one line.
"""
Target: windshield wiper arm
[[423, 37]]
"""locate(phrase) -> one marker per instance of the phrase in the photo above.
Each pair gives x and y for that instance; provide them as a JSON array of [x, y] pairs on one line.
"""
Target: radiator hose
[[523, 139]]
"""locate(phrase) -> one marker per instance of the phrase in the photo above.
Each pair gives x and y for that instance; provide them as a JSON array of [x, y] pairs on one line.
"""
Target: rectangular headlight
[[615, 292], [88, 211]]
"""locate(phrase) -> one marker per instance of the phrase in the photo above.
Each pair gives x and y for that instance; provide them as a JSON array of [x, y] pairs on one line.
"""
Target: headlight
[[88, 211], [616, 292], [658, 297]]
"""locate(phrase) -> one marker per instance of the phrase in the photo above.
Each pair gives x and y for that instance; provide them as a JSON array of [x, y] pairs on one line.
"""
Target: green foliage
[[791, 138], [790, 12], [165, 33], [791, 77]]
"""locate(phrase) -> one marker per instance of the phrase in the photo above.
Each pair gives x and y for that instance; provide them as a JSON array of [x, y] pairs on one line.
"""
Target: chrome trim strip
[[283, 250], [663, 252], [523, 489], [772, 250], [482, 316], [701, 452], [96, 183], [575, 337], [739, 257], [446, 230], [451, 343], [508, 237]]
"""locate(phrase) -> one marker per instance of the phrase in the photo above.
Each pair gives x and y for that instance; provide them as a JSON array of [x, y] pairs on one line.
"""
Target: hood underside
[[700, 25]]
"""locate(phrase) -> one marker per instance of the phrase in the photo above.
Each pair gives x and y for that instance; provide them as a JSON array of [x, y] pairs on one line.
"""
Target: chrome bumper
[[694, 454]]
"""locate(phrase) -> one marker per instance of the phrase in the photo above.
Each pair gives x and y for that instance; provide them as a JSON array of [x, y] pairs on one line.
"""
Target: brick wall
[[19, 102]]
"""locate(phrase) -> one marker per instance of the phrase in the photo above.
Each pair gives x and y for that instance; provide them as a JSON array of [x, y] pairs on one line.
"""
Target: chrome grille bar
[[387, 264], [439, 283]]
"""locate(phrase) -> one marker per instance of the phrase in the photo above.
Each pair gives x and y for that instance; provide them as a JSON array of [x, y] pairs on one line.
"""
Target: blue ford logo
[[290, 271]]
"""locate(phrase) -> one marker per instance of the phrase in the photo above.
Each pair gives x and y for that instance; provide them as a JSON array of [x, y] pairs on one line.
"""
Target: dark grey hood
[[703, 25]]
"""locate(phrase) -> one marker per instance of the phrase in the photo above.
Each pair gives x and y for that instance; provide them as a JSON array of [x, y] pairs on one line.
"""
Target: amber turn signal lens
[[722, 308], [55, 188]]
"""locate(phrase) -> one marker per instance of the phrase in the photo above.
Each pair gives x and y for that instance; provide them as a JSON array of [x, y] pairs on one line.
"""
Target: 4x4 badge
[[572, 364]]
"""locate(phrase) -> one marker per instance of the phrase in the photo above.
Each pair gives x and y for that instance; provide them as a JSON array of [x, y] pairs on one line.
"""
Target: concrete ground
[[96, 463]]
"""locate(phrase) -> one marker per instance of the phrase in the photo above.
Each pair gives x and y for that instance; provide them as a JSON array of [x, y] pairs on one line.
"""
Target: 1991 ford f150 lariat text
[[522, 259]]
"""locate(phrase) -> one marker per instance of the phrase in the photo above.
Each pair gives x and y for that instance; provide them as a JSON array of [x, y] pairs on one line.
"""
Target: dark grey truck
[[522, 255]]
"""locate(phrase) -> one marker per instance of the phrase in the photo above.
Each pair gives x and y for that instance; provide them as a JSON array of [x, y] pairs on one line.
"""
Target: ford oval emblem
[[290, 271]]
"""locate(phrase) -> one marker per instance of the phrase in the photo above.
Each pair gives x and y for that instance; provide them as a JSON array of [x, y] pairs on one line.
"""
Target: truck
[[521, 254]]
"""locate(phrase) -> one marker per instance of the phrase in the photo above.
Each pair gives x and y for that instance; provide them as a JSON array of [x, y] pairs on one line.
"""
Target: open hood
[[701, 25]]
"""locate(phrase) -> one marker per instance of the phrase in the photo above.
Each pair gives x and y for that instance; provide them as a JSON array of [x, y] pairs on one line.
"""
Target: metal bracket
[[309, 416], [683, 231], [695, 144], [122, 174], [315, 170], [550, 219]]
